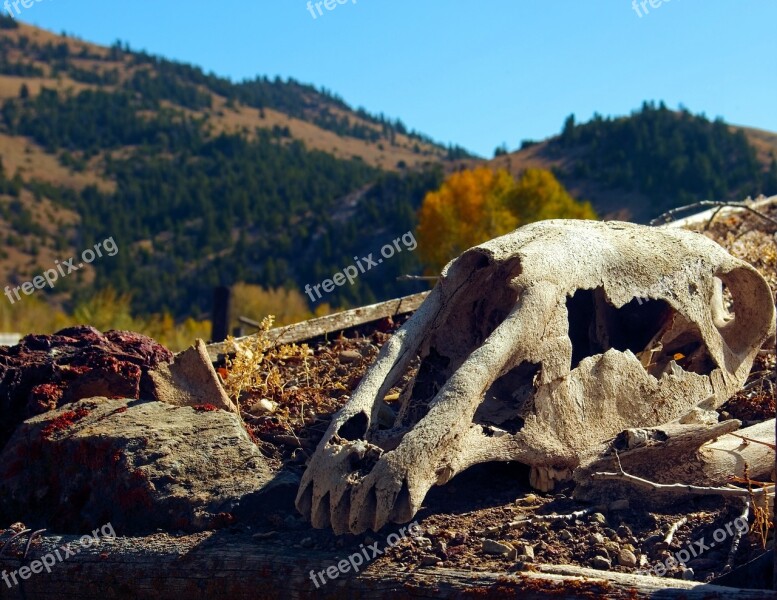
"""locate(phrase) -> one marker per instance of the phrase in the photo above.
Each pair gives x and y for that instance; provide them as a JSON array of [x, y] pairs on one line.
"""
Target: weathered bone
[[537, 347]]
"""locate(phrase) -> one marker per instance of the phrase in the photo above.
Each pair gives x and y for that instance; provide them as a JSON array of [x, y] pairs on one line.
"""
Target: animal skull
[[537, 347]]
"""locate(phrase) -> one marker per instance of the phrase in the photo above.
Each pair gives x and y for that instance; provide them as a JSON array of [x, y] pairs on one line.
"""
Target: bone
[[540, 347]]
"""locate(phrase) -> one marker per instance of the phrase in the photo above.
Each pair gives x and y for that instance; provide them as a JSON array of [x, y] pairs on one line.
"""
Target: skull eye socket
[[650, 328]]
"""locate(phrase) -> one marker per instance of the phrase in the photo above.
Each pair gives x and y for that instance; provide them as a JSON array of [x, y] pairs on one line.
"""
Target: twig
[[669, 215], [747, 439], [673, 529], [682, 487], [11, 539], [33, 535], [736, 539], [418, 278]]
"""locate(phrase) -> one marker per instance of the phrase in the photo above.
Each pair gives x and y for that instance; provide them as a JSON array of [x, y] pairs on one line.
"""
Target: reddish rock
[[140, 465], [44, 372]]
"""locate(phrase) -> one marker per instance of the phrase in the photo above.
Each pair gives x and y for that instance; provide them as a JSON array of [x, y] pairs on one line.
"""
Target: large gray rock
[[139, 465]]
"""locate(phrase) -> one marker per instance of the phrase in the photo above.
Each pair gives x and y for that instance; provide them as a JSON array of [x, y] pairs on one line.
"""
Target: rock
[[190, 380], [524, 550], [429, 560], [458, 538], [601, 551], [44, 372], [565, 535], [596, 538], [306, 542], [598, 518], [140, 465], [601, 563], [499, 548], [349, 356], [423, 542], [263, 407], [687, 574], [624, 531], [278, 494], [702, 564], [626, 558]]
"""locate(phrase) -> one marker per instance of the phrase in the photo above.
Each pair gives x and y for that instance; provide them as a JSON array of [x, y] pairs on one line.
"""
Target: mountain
[[639, 166], [202, 181]]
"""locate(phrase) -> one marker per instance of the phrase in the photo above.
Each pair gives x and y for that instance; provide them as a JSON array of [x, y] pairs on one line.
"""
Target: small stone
[[429, 560], [522, 559], [524, 549], [306, 542], [565, 535], [610, 533], [624, 531], [423, 542], [652, 540], [458, 538], [601, 552], [596, 538], [626, 558], [499, 548], [349, 356], [687, 574], [702, 564], [601, 563], [529, 499], [263, 407], [662, 555], [598, 518]]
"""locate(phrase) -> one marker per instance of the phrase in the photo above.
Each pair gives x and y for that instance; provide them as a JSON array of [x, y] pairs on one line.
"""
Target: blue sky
[[474, 74]]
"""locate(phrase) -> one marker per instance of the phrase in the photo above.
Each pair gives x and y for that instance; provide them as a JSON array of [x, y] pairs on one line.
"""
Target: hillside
[[636, 167], [202, 181]]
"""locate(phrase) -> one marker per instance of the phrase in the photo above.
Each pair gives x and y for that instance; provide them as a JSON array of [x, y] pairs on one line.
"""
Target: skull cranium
[[536, 347]]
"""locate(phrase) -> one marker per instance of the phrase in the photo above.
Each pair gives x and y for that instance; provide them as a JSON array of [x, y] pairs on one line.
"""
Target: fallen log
[[233, 565]]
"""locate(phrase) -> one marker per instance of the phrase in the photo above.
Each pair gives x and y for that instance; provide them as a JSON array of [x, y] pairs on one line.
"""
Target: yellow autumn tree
[[473, 206], [538, 195], [469, 208]]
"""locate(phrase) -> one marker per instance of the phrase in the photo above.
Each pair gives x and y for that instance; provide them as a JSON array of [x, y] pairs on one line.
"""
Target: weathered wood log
[[700, 455], [300, 332], [228, 565], [729, 454]]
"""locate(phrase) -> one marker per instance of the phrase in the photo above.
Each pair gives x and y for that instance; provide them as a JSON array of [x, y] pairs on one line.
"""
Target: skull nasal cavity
[[354, 428], [596, 326]]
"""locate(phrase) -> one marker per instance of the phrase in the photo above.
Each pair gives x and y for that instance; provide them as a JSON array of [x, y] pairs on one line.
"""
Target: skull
[[537, 347]]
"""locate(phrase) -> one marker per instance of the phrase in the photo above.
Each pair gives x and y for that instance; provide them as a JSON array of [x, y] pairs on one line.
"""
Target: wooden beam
[[331, 324]]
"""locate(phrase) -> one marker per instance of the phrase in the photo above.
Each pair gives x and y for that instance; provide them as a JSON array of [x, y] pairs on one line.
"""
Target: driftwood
[[307, 330], [227, 565]]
